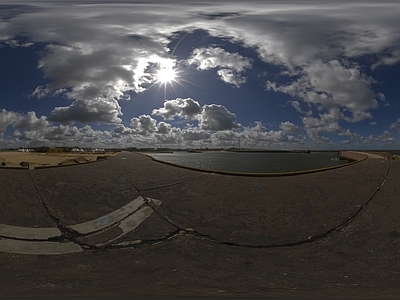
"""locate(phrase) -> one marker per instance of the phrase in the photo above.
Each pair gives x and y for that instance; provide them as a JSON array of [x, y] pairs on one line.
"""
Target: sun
[[166, 75]]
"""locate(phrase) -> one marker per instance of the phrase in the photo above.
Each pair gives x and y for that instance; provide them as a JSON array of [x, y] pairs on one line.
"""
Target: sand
[[36, 158]]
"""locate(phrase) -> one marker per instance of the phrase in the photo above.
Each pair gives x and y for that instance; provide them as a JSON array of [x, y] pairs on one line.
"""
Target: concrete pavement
[[129, 225]]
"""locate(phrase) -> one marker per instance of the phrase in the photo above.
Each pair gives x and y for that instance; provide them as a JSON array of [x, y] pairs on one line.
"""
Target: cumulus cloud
[[395, 125], [289, 127], [121, 130], [327, 122], [30, 122], [332, 85], [230, 64], [7, 118], [93, 54], [89, 110], [217, 117], [183, 108], [63, 135], [144, 124], [386, 138], [164, 128], [97, 55], [210, 117]]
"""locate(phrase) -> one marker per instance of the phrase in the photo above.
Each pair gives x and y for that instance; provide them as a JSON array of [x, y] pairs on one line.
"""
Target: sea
[[260, 162]]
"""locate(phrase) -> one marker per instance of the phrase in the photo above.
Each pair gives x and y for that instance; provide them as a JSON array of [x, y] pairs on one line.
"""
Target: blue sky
[[276, 75]]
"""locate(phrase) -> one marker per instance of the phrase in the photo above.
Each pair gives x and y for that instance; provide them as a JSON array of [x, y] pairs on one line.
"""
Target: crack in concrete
[[115, 224], [174, 184], [310, 239], [70, 235], [144, 242], [161, 186], [66, 233]]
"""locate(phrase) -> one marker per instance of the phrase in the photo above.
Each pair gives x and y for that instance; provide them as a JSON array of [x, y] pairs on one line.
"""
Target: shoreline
[[351, 157]]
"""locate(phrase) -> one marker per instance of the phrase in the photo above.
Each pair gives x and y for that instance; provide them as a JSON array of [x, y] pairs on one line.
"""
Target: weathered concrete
[[333, 233], [109, 219], [28, 233], [24, 247]]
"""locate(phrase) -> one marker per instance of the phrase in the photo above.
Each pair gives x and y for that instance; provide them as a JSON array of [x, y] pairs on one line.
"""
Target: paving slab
[[44, 248], [109, 219], [29, 233], [118, 229], [154, 228]]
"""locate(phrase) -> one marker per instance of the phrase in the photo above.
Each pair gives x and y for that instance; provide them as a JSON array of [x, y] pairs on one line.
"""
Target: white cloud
[[28, 122], [144, 124], [230, 64], [7, 118], [97, 54], [63, 135], [395, 125], [333, 85], [164, 128], [327, 123], [230, 77], [121, 130], [386, 138], [289, 127]]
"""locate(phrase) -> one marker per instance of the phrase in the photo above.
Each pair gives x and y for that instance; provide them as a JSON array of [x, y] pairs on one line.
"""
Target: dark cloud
[[217, 117], [31, 122], [194, 134], [183, 108], [289, 127], [93, 110]]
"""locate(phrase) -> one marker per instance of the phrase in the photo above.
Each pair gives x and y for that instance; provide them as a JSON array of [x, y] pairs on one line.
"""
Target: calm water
[[252, 162]]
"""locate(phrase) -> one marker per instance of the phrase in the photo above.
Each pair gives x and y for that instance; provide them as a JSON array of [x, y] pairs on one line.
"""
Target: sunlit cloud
[[104, 60]]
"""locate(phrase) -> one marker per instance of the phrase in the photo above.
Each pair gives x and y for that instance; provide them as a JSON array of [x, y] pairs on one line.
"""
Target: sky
[[192, 74]]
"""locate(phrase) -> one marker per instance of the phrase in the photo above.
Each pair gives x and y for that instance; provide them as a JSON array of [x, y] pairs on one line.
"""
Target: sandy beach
[[15, 158]]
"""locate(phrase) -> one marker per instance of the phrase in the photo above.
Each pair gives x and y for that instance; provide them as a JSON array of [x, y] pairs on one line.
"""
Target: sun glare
[[166, 75]]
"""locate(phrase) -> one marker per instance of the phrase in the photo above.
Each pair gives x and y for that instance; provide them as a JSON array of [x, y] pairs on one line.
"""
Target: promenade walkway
[[130, 225]]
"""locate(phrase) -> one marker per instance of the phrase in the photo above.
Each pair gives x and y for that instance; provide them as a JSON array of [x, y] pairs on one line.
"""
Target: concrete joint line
[[110, 219], [173, 184], [49, 248], [289, 244], [26, 240], [130, 223], [28, 233]]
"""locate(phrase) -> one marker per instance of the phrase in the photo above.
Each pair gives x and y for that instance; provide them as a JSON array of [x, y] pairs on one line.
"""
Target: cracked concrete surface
[[304, 231]]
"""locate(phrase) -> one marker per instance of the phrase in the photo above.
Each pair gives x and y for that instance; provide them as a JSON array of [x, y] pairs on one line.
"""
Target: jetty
[[127, 225]]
